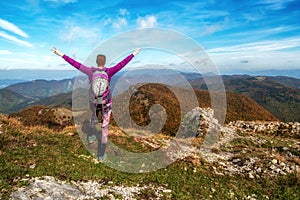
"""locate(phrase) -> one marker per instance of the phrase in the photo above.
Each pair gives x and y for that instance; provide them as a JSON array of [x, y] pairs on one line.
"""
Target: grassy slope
[[56, 154]]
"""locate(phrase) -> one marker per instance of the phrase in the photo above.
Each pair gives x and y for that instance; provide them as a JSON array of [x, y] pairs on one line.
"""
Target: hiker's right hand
[[57, 52]]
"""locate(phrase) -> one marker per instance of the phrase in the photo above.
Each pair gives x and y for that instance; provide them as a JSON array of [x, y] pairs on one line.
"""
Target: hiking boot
[[91, 139], [102, 158]]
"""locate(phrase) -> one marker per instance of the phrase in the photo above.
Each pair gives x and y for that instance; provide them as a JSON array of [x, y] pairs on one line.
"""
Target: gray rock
[[251, 175], [285, 148], [47, 188], [258, 170], [274, 161], [236, 161], [272, 167]]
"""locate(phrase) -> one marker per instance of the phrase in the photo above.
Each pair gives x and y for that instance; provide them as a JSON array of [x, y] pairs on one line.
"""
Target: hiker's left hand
[[137, 51]]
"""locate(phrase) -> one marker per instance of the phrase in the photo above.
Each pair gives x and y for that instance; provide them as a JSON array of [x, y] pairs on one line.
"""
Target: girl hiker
[[101, 99]]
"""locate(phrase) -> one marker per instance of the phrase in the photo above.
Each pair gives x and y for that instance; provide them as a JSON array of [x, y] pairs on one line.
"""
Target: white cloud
[[211, 30], [119, 23], [255, 56], [124, 12], [12, 28], [14, 39], [265, 31], [16, 60], [275, 4], [149, 21], [107, 21], [255, 61], [5, 52], [62, 1], [73, 33], [259, 46]]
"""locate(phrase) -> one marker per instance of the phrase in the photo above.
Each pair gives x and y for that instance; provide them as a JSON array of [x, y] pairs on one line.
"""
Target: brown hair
[[101, 59]]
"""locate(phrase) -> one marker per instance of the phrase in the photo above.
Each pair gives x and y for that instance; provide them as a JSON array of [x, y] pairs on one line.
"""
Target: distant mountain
[[279, 99], [42, 88], [11, 101], [56, 101], [288, 81], [288, 73], [33, 74], [295, 73], [6, 82], [280, 95], [22, 95]]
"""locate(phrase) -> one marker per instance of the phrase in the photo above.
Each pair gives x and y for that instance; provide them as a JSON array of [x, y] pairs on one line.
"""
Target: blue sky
[[237, 35]]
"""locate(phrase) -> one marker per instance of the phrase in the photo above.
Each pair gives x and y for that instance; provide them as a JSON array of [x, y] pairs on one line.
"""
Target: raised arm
[[73, 62], [120, 65]]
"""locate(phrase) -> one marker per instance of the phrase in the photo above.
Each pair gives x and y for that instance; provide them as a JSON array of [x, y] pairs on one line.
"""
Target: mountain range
[[279, 95]]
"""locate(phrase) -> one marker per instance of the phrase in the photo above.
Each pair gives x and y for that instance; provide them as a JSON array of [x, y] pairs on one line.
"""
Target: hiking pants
[[105, 111]]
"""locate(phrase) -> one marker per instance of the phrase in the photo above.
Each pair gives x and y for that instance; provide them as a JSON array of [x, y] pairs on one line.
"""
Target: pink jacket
[[89, 70]]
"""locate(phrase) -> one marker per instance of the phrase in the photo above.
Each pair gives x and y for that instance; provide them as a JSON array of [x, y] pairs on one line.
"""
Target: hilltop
[[239, 107]]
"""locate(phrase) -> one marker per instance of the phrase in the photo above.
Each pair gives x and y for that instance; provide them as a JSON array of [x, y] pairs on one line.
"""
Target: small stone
[[258, 170], [282, 173], [236, 161], [274, 161], [70, 134], [247, 169], [32, 166], [289, 154], [272, 167], [282, 164], [251, 175]]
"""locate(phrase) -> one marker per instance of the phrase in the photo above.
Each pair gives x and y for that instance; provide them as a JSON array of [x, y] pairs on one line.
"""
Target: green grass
[[56, 154]]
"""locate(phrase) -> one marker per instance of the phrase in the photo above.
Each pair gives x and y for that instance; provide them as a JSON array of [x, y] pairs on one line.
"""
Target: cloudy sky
[[237, 35]]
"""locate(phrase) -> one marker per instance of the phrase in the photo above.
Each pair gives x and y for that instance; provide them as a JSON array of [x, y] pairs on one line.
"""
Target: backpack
[[99, 85]]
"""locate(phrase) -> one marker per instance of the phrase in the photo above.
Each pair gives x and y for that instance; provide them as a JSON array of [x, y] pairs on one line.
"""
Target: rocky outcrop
[[251, 149], [290, 129], [48, 187]]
